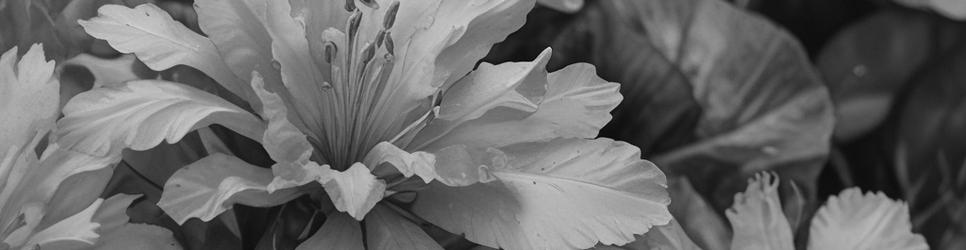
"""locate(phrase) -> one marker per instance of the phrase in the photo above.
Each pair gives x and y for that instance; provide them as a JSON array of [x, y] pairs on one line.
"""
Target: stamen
[[380, 37], [371, 3], [390, 17]]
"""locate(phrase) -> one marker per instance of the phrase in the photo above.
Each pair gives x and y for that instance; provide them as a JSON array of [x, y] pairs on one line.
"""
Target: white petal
[[140, 114], [757, 219], [354, 191], [29, 98], [161, 42], [213, 184], [857, 221], [563, 194]]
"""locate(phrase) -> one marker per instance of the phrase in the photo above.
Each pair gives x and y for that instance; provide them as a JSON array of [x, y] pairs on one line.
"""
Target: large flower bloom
[[375, 101], [52, 202]]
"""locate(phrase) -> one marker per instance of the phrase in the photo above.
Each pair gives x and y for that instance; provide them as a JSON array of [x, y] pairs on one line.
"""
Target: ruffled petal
[[863, 221], [208, 187], [576, 104], [161, 42], [563, 194], [29, 98], [140, 114], [354, 191], [757, 219]]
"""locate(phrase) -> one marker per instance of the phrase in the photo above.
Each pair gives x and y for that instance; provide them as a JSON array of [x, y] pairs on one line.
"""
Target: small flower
[[378, 102]]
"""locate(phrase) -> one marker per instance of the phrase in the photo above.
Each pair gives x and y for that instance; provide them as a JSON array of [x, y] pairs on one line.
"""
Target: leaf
[[867, 64], [711, 92], [29, 97], [853, 220], [140, 114], [340, 231], [757, 219], [386, 229], [161, 42], [545, 197], [210, 186], [950, 8], [354, 191]]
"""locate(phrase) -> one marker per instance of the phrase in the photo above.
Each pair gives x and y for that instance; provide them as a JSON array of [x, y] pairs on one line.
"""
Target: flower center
[[359, 68]]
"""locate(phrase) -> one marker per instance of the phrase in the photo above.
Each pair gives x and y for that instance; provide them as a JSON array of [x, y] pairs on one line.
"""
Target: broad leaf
[[140, 114], [161, 42], [863, 221], [138, 236], [545, 197], [757, 219], [711, 92], [213, 184]]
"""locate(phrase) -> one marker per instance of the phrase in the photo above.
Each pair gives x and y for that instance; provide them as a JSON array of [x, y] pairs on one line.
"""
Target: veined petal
[[161, 42], [290, 50], [29, 98], [549, 197], [421, 164], [520, 86], [853, 220], [213, 184], [386, 229], [354, 191], [757, 219], [140, 114], [116, 233], [79, 227], [340, 231], [577, 104], [285, 143]]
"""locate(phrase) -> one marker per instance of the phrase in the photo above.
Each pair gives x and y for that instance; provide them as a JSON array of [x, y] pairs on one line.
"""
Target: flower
[[378, 102], [39, 207], [851, 220]]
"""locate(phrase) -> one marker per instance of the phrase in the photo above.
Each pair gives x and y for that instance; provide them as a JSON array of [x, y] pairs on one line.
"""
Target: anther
[[390, 17], [368, 52], [371, 3], [380, 37], [354, 22], [390, 46], [330, 51]]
